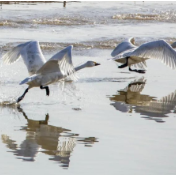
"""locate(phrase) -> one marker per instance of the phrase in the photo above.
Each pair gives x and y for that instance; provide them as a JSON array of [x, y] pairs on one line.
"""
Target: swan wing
[[60, 62], [136, 86], [160, 107], [121, 106], [156, 50], [141, 64], [30, 53], [169, 99], [124, 46], [14, 54]]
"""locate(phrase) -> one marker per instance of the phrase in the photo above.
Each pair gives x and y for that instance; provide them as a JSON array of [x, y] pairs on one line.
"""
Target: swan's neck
[[81, 67]]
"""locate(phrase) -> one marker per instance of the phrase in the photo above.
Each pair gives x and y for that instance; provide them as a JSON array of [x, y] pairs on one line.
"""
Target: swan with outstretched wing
[[42, 72], [147, 105], [128, 54]]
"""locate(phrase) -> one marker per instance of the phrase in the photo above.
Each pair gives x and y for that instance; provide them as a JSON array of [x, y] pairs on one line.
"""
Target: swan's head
[[92, 64], [132, 40]]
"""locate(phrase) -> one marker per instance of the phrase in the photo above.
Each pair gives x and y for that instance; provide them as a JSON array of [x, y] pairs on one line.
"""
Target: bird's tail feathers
[[27, 80], [110, 59]]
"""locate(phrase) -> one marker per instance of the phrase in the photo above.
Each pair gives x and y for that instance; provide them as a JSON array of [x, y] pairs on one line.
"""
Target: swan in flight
[[129, 54], [132, 94], [42, 72], [131, 99], [41, 136]]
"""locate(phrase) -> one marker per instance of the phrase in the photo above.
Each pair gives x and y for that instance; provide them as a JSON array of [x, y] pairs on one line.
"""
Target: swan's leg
[[124, 65], [44, 121], [138, 71], [22, 96], [24, 114], [47, 89], [46, 118]]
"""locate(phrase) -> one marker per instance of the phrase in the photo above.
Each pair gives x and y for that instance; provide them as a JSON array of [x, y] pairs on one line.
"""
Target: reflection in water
[[56, 142], [11, 106], [130, 99]]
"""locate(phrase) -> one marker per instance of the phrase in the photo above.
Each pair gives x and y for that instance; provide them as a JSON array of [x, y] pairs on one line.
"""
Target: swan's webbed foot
[[141, 71], [124, 65], [138, 71], [20, 98], [46, 88]]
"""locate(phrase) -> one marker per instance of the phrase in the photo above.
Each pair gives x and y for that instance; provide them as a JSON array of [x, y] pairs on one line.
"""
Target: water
[[110, 121]]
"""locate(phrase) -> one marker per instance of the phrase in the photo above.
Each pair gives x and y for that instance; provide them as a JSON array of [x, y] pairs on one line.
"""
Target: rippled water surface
[[110, 121]]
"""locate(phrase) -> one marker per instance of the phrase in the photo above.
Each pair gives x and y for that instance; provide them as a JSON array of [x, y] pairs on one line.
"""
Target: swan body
[[129, 54], [42, 72], [45, 78]]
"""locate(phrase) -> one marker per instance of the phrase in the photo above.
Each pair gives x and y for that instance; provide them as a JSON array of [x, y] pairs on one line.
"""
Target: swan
[[132, 94], [131, 98], [42, 137], [42, 72], [129, 54]]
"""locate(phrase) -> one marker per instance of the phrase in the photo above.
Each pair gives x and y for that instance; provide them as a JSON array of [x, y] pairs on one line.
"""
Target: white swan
[[129, 54], [43, 73]]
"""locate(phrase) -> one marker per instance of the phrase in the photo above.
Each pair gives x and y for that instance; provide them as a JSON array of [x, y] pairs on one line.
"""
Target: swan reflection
[[130, 99], [57, 142]]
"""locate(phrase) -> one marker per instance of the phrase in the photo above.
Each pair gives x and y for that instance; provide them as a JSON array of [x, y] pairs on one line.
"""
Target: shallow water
[[110, 121]]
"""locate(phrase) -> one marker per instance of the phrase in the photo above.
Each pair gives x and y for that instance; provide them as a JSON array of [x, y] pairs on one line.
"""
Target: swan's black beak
[[96, 64]]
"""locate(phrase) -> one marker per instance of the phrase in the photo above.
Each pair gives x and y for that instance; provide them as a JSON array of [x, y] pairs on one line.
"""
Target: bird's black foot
[[22, 96], [124, 65], [138, 71], [141, 71], [46, 88], [47, 91]]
